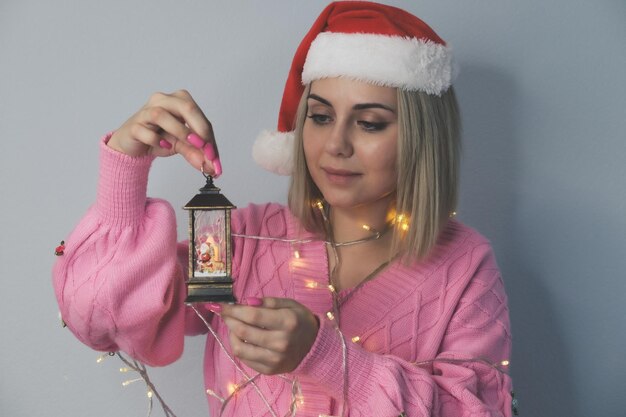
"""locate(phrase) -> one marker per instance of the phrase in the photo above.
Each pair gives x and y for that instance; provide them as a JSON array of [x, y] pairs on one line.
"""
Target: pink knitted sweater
[[120, 286]]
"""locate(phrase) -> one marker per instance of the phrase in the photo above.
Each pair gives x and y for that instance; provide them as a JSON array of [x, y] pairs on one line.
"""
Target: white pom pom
[[273, 151]]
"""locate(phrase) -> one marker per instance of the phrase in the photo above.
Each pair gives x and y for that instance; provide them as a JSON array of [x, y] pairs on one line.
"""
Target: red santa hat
[[363, 41]]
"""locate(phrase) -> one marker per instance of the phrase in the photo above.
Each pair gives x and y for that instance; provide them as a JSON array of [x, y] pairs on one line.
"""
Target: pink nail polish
[[209, 152], [218, 167], [214, 307], [165, 144], [195, 140], [254, 302]]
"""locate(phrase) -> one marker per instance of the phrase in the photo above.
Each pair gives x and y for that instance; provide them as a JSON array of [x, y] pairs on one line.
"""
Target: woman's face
[[350, 141]]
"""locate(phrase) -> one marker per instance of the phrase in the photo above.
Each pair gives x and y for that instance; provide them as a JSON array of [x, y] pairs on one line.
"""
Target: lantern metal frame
[[211, 288]]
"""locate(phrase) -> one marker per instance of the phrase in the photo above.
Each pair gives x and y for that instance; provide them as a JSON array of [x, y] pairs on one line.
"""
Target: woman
[[364, 297]]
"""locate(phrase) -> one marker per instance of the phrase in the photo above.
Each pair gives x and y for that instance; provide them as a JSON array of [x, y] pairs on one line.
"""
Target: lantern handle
[[208, 177]]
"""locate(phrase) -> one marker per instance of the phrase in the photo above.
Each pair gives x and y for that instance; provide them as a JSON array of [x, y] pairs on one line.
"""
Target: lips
[[334, 171], [340, 176]]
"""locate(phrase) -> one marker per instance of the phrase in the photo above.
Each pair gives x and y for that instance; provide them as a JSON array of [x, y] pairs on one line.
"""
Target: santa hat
[[363, 41]]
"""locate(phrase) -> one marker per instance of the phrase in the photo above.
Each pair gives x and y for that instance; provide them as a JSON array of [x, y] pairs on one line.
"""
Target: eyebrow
[[360, 106]]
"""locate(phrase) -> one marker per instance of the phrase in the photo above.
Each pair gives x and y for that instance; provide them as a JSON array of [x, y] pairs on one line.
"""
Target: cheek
[[382, 156]]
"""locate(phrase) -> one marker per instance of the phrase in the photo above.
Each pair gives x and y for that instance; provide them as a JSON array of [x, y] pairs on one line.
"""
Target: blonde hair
[[427, 166]]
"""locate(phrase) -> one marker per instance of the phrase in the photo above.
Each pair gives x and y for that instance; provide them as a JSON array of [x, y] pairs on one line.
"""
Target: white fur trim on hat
[[273, 151], [391, 61]]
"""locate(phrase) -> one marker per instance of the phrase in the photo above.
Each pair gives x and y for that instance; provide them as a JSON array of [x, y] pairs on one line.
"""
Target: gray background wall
[[542, 90]]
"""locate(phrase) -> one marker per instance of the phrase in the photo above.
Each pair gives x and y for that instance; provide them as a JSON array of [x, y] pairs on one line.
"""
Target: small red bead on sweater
[[58, 251]]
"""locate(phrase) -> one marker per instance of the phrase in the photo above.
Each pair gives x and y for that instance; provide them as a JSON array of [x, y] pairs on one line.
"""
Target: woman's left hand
[[271, 338]]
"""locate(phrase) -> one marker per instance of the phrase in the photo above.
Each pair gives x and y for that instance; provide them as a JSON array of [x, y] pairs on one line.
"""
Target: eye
[[372, 126], [320, 119]]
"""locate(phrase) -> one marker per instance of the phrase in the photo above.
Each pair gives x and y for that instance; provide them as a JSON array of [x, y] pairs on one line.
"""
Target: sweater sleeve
[[119, 284], [464, 378]]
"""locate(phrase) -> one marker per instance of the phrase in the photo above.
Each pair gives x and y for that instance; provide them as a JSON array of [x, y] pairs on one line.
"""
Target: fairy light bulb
[[131, 381], [102, 357], [149, 394], [124, 369], [331, 288], [402, 222], [232, 387], [296, 254], [330, 315], [505, 363], [356, 339], [366, 227]]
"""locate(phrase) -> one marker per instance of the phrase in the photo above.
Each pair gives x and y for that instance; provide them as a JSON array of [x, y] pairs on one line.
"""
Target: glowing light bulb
[[331, 288], [232, 388], [150, 394], [130, 381], [330, 315], [311, 284], [402, 222], [124, 369], [505, 363], [366, 227], [296, 254], [356, 339]]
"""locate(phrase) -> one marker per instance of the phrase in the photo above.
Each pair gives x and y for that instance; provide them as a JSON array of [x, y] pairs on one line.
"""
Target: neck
[[352, 223], [351, 265]]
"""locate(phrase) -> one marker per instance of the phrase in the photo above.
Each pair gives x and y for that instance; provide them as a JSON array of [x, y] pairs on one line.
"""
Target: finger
[[182, 105], [260, 359], [145, 134], [162, 119], [278, 303], [179, 115], [148, 136], [193, 155], [273, 340], [255, 316], [199, 123]]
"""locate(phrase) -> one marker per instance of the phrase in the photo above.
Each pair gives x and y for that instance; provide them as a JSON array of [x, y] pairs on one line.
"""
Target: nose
[[339, 142]]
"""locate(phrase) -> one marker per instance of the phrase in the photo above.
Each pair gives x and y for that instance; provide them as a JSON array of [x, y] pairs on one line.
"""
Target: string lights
[[232, 388], [151, 391]]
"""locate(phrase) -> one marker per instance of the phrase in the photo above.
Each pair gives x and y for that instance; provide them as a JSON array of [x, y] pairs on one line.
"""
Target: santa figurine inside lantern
[[210, 257]]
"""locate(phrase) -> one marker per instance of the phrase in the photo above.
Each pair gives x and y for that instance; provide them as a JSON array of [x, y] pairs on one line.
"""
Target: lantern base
[[209, 292]]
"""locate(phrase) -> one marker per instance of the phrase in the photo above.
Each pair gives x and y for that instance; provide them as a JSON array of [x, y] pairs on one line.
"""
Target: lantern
[[209, 246]]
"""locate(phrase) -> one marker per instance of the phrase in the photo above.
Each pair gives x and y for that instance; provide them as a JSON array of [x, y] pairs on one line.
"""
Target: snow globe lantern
[[210, 257]]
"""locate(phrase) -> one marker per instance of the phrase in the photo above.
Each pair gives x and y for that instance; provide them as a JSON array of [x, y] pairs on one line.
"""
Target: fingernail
[[209, 152], [254, 302], [218, 167], [165, 144], [214, 307], [195, 140]]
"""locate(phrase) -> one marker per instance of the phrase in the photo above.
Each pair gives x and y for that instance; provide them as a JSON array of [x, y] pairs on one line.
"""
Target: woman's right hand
[[168, 124]]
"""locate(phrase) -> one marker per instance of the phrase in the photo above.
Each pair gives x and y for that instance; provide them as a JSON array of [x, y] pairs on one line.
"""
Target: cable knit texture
[[120, 286]]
